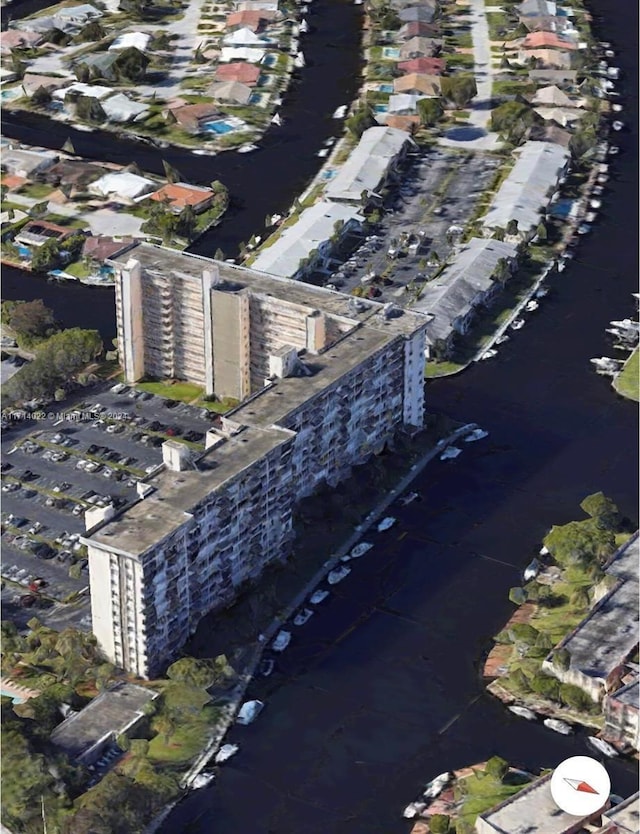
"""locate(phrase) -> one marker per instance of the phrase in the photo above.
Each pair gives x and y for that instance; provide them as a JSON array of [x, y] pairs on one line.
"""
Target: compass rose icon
[[580, 786]]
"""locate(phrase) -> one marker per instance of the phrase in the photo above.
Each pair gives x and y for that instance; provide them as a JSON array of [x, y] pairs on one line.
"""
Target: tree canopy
[[31, 320], [430, 111], [459, 89]]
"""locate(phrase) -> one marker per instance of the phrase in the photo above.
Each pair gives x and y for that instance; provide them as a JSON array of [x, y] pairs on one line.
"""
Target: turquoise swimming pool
[[15, 698], [385, 88], [219, 126], [381, 108], [269, 60], [390, 52]]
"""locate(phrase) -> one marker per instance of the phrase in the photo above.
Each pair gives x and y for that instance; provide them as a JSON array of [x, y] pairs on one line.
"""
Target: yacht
[[532, 570], [303, 617], [338, 575], [544, 550], [318, 596], [606, 366], [435, 787], [530, 306], [249, 711], [613, 72], [502, 339], [225, 753], [595, 204], [617, 125], [584, 229], [413, 809], [476, 434], [489, 354], [386, 524], [283, 638], [360, 549], [304, 27], [603, 747], [299, 61], [323, 152], [340, 112], [450, 453], [248, 148], [202, 780], [517, 324], [617, 108], [541, 292], [590, 216], [558, 726], [523, 712]]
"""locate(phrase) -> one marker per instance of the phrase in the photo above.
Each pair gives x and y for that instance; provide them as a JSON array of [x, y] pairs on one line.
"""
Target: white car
[[283, 638]]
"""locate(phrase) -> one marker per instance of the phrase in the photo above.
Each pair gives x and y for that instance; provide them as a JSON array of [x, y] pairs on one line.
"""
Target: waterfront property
[[325, 379], [528, 188], [83, 737], [471, 281], [369, 166], [604, 640], [178, 195], [621, 714], [309, 243]]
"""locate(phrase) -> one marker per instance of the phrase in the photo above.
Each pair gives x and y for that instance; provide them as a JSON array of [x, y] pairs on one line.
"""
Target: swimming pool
[[9, 95], [385, 88], [381, 108], [390, 52], [269, 60], [219, 126], [24, 251], [15, 698]]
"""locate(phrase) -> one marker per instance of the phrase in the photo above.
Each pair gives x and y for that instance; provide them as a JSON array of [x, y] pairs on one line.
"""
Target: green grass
[[79, 269], [186, 741], [436, 369], [627, 384], [186, 392], [478, 793], [37, 190]]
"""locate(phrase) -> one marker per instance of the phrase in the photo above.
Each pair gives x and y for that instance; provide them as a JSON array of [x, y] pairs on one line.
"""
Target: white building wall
[[414, 353]]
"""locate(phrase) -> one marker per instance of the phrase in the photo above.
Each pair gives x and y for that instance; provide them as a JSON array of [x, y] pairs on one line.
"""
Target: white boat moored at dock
[[225, 753], [340, 112], [281, 642], [603, 746], [558, 726], [476, 434], [338, 575], [386, 524], [450, 453], [523, 712], [517, 324], [617, 125]]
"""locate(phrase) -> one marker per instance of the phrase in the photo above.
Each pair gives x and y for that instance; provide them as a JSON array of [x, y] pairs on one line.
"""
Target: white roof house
[[121, 108], [23, 163], [314, 226], [463, 285], [241, 53], [553, 96], [244, 37], [403, 102], [367, 164], [529, 186], [122, 184], [140, 40], [65, 18], [90, 90]]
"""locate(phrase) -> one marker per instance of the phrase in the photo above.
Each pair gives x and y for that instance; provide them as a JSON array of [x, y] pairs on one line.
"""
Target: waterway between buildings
[[381, 691]]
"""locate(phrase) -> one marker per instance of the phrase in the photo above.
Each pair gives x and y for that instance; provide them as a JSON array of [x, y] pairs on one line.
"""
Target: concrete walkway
[[476, 135]]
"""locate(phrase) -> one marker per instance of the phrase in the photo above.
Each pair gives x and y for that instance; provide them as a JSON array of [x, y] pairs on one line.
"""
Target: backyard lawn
[[478, 793]]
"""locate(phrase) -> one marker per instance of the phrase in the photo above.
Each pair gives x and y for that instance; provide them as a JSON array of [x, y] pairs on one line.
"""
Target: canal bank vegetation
[[63, 672], [627, 383], [569, 581]]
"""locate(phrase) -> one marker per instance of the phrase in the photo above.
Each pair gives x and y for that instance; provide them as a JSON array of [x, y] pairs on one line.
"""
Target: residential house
[[38, 232], [117, 711], [528, 188], [240, 72], [18, 39], [230, 91], [431, 5], [621, 714], [310, 242], [32, 82], [26, 163], [418, 84], [417, 14], [122, 185], [257, 6], [82, 89], [190, 117], [470, 282], [537, 8], [553, 96], [178, 195], [550, 133], [424, 66], [100, 65], [419, 48], [546, 40], [563, 116], [404, 104], [66, 18], [559, 77], [74, 174], [407, 123], [370, 165], [546, 58], [602, 642], [244, 37], [418, 29], [137, 40], [97, 248], [241, 53], [254, 20], [120, 108]]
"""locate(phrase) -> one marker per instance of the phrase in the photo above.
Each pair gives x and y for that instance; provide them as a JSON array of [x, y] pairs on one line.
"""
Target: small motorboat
[[584, 229], [275, 219], [409, 498], [450, 453], [609, 53], [614, 150], [386, 524], [476, 434], [617, 108], [225, 753], [591, 217], [303, 617], [360, 549], [323, 152], [613, 72], [601, 179], [561, 265], [595, 204], [413, 809], [489, 354], [249, 711], [276, 120], [329, 142], [617, 125], [544, 550], [541, 292], [340, 112], [530, 306], [283, 638], [338, 575], [304, 27], [502, 339], [603, 746], [248, 148], [523, 712], [517, 324], [558, 726], [531, 571], [435, 787], [299, 61], [266, 667], [202, 780], [318, 596]]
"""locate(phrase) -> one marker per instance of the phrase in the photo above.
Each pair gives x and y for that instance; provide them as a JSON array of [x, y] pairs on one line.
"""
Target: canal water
[[381, 690]]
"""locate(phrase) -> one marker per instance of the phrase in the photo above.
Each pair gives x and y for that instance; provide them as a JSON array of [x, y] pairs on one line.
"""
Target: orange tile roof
[[179, 195], [240, 71], [402, 122], [535, 40], [13, 181], [251, 19], [426, 66]]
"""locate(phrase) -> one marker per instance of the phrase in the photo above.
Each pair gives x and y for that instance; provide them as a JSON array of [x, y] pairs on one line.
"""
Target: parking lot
[[436, 197], [92, 452]]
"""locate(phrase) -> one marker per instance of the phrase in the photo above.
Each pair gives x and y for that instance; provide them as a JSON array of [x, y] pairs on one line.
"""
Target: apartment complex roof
[[457, 289], [367, 164], [609, 632], [625, 816], [528, 187], [314, 226]]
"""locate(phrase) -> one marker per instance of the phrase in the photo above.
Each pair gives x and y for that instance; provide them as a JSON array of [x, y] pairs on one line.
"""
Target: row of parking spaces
[[55, 468], [423, 219]]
